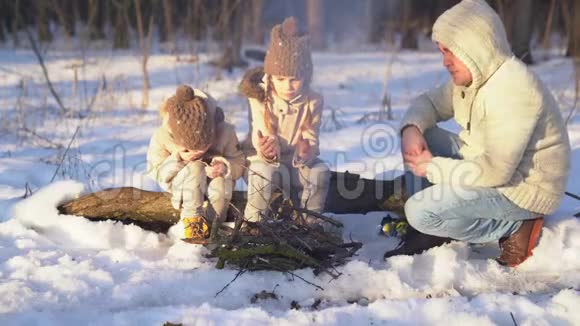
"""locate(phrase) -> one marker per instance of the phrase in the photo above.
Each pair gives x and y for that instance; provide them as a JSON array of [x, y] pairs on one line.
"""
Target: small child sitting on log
[[194, 154], [285, 117]]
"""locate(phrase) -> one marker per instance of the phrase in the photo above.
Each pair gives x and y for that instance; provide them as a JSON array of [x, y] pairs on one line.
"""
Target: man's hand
[[267, 145], [416, 154], [217, 169], [412, 141], [418, 163]]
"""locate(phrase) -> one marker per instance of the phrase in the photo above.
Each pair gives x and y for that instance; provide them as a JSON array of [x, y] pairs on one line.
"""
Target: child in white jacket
[[286, 116], [194, 154]]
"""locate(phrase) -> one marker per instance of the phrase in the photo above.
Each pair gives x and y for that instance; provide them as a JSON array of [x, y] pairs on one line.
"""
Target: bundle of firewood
[[288, 239]]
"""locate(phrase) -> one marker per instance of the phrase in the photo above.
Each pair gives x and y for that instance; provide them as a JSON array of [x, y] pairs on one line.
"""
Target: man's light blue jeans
[[473, 214]]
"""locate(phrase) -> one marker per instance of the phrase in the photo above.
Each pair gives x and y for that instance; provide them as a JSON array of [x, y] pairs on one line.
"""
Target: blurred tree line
[[234, 22]]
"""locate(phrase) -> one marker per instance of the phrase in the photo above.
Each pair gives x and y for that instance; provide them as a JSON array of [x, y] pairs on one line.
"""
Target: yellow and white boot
[[196, 229]]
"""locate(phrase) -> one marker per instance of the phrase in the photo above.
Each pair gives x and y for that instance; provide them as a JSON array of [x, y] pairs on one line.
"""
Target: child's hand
[[268, 145], [189, 155], [304, 150], [217, 169]]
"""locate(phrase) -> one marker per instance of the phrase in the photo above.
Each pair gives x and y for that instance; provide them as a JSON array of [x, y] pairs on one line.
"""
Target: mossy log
[[348, 193], [291, 255]]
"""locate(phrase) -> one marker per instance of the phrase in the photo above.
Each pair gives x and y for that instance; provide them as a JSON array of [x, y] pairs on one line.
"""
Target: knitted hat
[[289, 52], [473, 31], [190, 120]]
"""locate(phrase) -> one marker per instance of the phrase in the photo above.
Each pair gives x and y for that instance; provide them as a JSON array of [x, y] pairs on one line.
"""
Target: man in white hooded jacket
[[507, 168]]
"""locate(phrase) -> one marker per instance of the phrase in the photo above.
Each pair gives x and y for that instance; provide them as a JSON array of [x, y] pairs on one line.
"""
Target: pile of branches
[[291, 239]]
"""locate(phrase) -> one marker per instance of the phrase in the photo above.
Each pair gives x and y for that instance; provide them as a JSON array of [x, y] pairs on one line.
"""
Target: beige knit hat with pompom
[[289, 52], [189, 119]]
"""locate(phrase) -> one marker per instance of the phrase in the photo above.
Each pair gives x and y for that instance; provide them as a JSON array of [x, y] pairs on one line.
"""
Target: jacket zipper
[[470, 110]]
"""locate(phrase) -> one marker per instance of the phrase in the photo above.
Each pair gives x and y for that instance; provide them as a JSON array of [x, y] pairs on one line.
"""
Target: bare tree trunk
[[522, 29], [145, 45], [408, 26], [381, 20], [315, 13], [168, 34], [189, 23], [519, 31], [16, 22], [4, 17], [237, 36], [257, 33], [573, 29], [76, 15], [231, 28], [95, 20], [548, 26], [196, 20], [121, 24], [224, 13], [66, 16], [42, 22]]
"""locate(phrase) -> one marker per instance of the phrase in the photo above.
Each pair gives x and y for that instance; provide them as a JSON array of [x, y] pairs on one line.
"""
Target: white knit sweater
[[514, 136]]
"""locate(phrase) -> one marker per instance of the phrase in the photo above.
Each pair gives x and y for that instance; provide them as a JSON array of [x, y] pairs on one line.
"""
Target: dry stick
[[315, 214], [240, 272], [265, 226], [320, 216], [94, 97], [572, 195], [260, 190], [43, 66], [33, 133], [10, 71], [238, 223], [273, 233], [64, 154], [321, 267], [303, 242], [145, 45], [306, 281], [513, 319], [303, 210], [386, 100], [346, 253]]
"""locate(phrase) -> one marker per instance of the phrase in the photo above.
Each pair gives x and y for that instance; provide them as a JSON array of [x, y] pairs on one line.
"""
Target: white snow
[[60, 270]]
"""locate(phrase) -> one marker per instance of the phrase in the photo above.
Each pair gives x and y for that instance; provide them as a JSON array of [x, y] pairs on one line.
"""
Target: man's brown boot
[[516, 248]]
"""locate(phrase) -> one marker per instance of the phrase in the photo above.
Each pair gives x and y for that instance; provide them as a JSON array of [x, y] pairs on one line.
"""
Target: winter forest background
[[80, 86], [235, 22], [189, 27]]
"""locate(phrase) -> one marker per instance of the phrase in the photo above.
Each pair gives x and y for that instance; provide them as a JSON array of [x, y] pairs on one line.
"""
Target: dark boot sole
[[195, 241]]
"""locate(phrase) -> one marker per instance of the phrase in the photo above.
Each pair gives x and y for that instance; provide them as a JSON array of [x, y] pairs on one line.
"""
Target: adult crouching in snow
[[506, 169]]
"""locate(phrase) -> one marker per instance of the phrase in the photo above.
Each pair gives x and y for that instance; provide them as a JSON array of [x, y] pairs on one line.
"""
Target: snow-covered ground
[[60, 270]]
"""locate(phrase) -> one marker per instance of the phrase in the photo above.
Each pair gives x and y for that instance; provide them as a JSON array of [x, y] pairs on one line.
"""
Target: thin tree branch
[[320, 216], [305, 281], [240, 272], [64, 154], [43, 66]]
